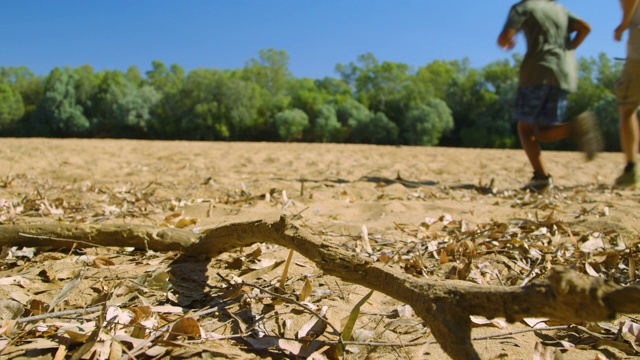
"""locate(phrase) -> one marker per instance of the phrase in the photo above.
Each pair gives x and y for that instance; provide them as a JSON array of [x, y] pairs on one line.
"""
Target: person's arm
[[582, 29], [507, 38], [628, 8], [515, 19]]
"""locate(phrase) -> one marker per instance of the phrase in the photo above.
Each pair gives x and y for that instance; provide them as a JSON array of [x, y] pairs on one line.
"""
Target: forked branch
[[445, 306]]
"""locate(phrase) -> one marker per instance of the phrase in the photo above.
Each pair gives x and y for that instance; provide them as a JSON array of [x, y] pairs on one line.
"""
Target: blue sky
[[225, 34]]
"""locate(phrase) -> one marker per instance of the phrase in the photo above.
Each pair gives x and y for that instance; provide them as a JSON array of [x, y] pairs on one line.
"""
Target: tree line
[[446, 103]]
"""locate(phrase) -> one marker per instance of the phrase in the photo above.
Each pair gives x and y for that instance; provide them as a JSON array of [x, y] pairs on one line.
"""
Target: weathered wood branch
[[444, 305]]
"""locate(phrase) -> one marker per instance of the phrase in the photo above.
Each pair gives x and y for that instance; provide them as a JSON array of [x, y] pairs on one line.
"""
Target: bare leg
[[629, 133], [531, 147], [553, 132]]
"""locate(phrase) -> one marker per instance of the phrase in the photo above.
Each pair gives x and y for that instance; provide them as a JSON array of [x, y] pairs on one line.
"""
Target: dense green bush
[[445, 103]]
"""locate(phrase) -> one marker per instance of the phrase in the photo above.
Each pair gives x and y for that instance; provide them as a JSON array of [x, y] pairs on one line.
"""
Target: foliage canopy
[[444, 103]]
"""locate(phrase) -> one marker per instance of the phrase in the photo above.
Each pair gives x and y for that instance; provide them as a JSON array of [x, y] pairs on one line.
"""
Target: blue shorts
[[540, 104]]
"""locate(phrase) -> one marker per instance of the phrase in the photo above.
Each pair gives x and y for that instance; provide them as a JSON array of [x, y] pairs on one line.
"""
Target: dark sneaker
[[539, 184], [586, 134], [629, 178]]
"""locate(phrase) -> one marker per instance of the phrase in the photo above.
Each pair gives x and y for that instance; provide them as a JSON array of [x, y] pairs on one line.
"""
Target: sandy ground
[[331, 189]]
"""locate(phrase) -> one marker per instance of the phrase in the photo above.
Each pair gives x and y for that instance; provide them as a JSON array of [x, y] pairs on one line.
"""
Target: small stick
[[60, 313], [58, 239], [559, 327]]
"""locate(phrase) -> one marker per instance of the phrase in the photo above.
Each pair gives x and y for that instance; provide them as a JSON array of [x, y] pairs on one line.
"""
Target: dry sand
[[334, 190]]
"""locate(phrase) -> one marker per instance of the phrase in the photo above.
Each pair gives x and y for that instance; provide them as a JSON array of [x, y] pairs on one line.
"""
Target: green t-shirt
[[545, 24]]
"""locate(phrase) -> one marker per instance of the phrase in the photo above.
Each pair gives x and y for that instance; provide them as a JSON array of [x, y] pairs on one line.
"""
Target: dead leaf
[[262, 263], [186, 221], [592, 244], [444, 259], [15, 280], [161, 281], [34, 344], [4, 342], [67, 289], [362, 335], [141, 312], [353, 316], [307, 288], [38, 307], [156, 351], [120, 316], [102, 262], [589, 269], [76, 337], [26, 252], [536, 323], [186, 327], [285, 271], [541, 352], [66, 274], [172, 218], [6, 329], [483, 321], [314, 327], [301, 349], [256, 274], [630, 332], [116, 351], [366, 244], [405, 311], [167, 309], [10, 310], [46, 275]]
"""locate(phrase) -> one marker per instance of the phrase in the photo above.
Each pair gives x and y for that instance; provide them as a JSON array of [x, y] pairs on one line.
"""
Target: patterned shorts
[[540, 104]]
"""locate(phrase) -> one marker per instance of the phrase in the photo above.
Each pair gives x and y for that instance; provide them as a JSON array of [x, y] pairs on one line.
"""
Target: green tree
[[350, 114], [426, 124], [327, 128], [216, 105], [380, 87], [291, 123], [434, 78], [101, 112], [58, 114], [30, 88], [86, 83], [131, 108], [596, 84], [11, 106], [502, 77], [270, 71], [306, 96], [134, 76], [168, 82], [376, 129], [606, 109], [164, 80], [481, 110], [239, 102], [337, 88]]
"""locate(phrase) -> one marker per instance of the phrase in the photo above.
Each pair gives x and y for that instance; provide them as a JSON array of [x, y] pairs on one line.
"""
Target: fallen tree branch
[[445, 306]]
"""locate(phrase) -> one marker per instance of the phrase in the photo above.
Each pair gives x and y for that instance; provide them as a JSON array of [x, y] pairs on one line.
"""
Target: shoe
[[539, 183], [586, 134], [629, 178]]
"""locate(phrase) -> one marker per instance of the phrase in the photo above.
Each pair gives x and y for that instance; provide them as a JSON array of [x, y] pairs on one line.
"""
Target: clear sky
[[225, 34]]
